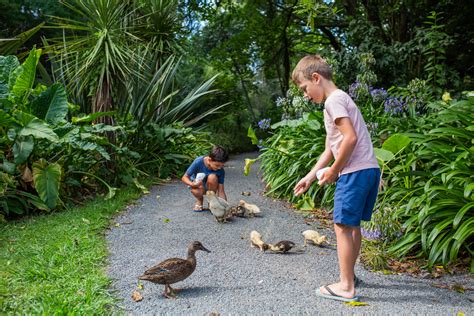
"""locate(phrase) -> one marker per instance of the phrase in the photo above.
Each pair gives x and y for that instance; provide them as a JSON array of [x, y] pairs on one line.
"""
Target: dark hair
[[219, 154]]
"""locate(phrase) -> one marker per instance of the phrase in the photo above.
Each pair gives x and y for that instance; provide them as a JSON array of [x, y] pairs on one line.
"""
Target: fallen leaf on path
[[117, 225], [140, 285], [356, 303], [166, 220], [246, 193], [136, 296]]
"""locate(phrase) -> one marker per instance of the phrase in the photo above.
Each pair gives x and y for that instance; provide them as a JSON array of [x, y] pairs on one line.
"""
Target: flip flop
[[334, 296], [198, 208]]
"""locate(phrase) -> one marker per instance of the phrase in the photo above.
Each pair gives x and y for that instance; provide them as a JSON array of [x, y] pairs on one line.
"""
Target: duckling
[[281, 246], [252, 209], [256, 241], [314, 237], [219, 207], [173, 270], [238, 211]]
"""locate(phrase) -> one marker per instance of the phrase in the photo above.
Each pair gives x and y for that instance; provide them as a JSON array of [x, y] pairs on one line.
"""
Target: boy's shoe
[[198, 208], [333, 296]]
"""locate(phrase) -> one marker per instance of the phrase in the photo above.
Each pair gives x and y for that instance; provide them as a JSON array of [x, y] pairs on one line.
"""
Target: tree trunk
[[102, 102], [246, 94]]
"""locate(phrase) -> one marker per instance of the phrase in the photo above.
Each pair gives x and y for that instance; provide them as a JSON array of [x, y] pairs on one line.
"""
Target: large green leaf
[[25, 76], [47, 180], [51, 105], [396, 143], [383, 155], [22, 149], [7, 65], [5, 119], [38, 129], [252, 136]]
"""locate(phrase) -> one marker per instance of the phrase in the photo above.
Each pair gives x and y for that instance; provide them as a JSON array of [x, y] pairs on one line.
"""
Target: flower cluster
[[371, 234], [281, 102], [264, 124], [395, 105], [358, 89], [378, 95]]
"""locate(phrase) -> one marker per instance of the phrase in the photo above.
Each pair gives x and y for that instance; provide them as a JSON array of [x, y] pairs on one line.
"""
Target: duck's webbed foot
[[169, 292]]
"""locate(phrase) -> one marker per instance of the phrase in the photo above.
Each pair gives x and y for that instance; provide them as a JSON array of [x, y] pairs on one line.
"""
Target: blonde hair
[[309, 65]]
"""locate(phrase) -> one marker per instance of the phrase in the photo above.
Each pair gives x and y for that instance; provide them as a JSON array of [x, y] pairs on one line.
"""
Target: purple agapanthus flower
[[371, 234], [395, 105], [356, 88], [264, 124], [378, 95]]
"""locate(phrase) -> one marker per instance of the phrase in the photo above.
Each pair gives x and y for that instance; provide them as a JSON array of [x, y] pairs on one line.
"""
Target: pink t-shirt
[[339, 104]]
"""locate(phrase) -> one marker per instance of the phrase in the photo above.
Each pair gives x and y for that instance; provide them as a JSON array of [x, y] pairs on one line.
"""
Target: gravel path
[[237, 279]]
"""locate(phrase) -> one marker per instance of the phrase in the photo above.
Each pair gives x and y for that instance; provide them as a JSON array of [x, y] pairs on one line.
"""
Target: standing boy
[[355, 168], [212, 167]]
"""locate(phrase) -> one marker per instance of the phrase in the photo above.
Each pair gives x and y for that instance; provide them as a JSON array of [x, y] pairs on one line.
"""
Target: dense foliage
[[51, 158]]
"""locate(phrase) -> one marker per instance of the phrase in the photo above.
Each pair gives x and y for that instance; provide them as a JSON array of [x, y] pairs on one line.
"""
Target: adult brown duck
[[173, 270]]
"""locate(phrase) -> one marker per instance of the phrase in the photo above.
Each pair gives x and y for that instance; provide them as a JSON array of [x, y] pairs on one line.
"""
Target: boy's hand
[[196, 185], [302, 186], [330, 176]]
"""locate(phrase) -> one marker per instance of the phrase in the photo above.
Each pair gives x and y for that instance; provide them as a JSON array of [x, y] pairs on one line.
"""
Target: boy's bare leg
[[347, 253], [357, 238], [198, 194], [212, 184]]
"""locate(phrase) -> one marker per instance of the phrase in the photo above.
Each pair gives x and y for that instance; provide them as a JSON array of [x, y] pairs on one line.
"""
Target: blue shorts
[[355, 196]]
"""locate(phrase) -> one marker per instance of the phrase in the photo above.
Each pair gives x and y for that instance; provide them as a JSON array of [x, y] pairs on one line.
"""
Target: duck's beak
[[205, 249]]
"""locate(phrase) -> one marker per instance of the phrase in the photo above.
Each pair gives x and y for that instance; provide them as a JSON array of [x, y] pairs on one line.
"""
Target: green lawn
[[56, 263]]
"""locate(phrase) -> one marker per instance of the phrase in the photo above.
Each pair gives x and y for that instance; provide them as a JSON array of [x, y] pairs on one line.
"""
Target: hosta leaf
[[22, 149], [47, 180], [38, 129], [26, 76], [396, 143]]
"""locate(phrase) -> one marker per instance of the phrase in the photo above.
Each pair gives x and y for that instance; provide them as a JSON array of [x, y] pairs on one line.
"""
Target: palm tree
[[95, 50]]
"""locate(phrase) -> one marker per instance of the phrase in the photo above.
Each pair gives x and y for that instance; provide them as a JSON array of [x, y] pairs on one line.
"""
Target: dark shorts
[[355, 196]]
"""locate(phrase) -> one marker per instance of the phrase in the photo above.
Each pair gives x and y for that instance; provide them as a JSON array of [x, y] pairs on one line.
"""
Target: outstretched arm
[[303, 185]]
